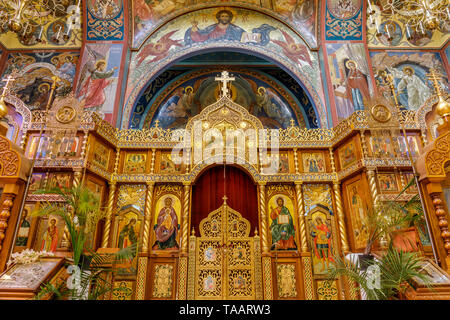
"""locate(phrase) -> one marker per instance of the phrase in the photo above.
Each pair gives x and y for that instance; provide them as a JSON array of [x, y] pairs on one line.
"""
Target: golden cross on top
[[7, 80], [156, 123], [225, 78], [225, 199]]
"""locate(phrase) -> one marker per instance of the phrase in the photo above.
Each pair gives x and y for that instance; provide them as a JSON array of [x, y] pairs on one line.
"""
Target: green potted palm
[[384, 275], [81, 213]]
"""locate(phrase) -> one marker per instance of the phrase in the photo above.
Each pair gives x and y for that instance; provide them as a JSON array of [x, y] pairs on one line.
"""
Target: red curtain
[[208, 192]]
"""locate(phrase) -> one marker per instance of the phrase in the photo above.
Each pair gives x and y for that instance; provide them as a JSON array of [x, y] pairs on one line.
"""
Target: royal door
[[225, 266]]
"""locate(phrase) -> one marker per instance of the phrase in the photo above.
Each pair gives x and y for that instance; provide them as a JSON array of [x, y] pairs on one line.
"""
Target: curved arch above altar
[[299, 15], [186, 95], [247, 31]]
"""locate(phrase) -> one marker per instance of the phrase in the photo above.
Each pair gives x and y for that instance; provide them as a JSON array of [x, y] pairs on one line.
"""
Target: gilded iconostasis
[[100, 93]]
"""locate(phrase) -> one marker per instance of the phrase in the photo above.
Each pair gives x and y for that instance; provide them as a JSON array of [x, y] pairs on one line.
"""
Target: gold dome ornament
[[3, 108], [443, 107]]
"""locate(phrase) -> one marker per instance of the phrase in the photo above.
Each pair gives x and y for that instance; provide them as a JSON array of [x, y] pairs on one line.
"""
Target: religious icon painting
[[50, 234], [360, 229], [128, 234], [68, 147], [167, 166], [387, 182], [239, 283], [101, 155], [166, 225], [313, 162], [95, 188], [283, 162], [39, 146], [381, 146], [25, 226], [210, 254], [413, 146], [60, 180], [408, 176], [37, 180], [135, 163], [209, 283], [282, 223], [347, 154], [321, 237]]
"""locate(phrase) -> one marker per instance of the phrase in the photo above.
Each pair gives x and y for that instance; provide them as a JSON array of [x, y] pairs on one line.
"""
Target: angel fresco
[[93, 80], [225, 30], [417, 90], [158, 50], [297, 52], [270, 104]]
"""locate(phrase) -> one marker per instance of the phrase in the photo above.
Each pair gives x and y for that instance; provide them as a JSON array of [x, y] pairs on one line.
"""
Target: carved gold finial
[[156, 123], [225, 199], [256, 232], [292, 122], [193, 232], [442, 107], [225, 78]]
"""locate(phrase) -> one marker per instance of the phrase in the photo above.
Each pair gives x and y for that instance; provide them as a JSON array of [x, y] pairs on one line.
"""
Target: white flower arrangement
[[28, 256]]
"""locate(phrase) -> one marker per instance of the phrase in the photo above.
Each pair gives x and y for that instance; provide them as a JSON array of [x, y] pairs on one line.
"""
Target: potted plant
[[384, 276], [81, 215]]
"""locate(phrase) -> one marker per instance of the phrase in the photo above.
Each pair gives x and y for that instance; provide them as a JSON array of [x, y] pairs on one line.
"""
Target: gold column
[[185, 217], [301, 216], [147, 217], [372, 185], [77, 178], [341, 217], [109, 212], [262, 202]]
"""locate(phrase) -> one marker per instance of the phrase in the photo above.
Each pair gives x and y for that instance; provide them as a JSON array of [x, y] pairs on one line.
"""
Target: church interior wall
[[327, 178]]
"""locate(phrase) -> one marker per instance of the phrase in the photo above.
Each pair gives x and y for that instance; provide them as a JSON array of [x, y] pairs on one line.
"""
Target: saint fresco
[[409, 71], [190, 98]]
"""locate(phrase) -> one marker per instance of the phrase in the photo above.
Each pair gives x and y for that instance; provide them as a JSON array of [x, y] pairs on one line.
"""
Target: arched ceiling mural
[[184, 90], [241, 30], [148, 16]]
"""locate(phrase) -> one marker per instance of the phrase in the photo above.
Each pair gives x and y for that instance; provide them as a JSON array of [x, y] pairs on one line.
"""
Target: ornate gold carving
[[436, 158], [327, 290], [258, 272], [109, 213], [286, 280], [141, 278], [381, 113], [264, 230], [125, 292], [308, 278], [162, 281], [372, 185], [301, 217], [182, 278], [341, 218], [185, 218], [147, 218], [191, 267], [225, 257], [4, 216], [9, 159], [267, 268], [442, 220], [65, 114]]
